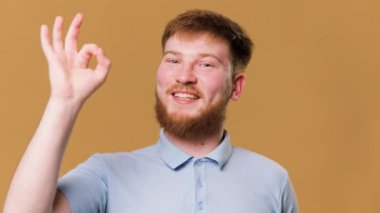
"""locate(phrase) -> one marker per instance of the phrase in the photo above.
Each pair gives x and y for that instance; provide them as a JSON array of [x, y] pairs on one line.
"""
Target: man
[[192, 168]]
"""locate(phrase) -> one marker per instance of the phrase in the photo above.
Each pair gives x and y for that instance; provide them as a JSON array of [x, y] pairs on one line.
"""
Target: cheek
[[217, 86], [160, 76], [163, 79]]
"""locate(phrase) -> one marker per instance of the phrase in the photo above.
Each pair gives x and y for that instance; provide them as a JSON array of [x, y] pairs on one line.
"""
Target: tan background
[[311, 101]]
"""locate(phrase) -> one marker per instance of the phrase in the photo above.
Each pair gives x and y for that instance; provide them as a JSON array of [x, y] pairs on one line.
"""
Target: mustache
[[183, 87]]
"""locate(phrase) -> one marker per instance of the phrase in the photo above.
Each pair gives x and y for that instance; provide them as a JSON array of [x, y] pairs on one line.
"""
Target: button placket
[[200, 185]]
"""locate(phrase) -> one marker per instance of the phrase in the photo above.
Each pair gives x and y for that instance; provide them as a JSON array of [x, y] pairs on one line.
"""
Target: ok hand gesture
[[70, 77]]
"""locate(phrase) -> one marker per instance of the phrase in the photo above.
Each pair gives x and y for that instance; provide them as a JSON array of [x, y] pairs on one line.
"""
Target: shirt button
[[201, 205], [198, 163], [199, 184]]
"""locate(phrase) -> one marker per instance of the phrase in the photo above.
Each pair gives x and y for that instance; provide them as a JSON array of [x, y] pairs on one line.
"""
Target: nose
[[186, 75]]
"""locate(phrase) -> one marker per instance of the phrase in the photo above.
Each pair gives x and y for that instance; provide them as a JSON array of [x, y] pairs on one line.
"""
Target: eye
[[172, 60], [206, 64]]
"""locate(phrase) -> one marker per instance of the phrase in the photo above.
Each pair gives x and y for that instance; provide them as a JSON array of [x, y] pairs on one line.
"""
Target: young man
[[192, 168]]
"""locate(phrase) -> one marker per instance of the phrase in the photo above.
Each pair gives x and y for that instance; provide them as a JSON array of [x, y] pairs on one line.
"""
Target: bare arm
[[34, 184]]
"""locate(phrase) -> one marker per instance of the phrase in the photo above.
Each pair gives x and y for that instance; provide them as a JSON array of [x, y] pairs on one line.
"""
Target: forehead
[[199, 42]]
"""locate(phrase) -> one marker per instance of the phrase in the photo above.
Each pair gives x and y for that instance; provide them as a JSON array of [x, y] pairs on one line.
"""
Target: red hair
[[195, 22]]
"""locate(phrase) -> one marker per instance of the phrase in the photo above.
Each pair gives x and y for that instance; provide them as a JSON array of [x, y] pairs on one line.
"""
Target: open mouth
[[185, 96]]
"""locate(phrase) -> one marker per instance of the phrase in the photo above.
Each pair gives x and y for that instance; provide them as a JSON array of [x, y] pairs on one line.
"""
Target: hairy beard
[[207, 122]]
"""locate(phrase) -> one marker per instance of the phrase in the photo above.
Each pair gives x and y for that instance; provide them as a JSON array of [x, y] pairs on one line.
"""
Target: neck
[[197, 147]]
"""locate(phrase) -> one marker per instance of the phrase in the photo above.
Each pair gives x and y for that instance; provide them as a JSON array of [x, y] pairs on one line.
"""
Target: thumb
[[85, 54]]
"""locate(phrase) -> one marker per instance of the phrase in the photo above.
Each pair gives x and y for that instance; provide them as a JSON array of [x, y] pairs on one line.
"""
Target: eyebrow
[[203, 55]]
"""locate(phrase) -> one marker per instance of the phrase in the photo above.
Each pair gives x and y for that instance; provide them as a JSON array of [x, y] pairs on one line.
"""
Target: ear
[[237, 86]]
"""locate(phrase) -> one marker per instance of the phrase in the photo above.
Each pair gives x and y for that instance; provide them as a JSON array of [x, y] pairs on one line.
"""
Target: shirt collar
[[223, 152], [170, 153], [175, 157]]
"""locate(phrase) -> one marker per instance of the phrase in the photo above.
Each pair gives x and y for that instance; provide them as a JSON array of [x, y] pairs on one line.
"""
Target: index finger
[[45, 40], [71, 40]]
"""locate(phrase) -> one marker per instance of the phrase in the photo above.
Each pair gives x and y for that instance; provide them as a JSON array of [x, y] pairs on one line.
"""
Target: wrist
[[68, 105]]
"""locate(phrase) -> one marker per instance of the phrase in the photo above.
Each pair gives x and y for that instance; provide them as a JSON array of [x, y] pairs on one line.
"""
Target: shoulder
[[257, 164], [263, 175], [120, 159]]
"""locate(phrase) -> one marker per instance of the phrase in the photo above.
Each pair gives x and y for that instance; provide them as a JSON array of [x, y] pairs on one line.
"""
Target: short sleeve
[[85, 187], [289, 199]]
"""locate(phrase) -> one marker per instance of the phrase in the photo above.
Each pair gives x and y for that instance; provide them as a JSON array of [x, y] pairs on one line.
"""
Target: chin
[[191, 124], [182, 113]]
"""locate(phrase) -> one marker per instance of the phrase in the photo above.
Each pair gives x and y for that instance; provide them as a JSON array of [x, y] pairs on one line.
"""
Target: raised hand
[[70, 77], [72, 82]]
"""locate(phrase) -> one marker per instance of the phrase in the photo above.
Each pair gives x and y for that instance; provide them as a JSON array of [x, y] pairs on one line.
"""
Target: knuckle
[[108, 62]]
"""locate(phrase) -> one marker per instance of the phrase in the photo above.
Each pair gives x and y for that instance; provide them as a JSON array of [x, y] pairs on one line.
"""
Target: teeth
[[185, 95]]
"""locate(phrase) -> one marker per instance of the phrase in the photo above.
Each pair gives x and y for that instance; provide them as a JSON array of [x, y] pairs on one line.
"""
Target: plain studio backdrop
[[311, 101]]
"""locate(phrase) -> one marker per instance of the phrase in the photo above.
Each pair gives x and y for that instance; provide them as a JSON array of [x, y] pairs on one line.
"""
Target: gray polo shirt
[[164, 179]]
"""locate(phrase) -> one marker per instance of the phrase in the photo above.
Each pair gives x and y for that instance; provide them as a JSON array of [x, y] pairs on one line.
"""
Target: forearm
[[34, 185]]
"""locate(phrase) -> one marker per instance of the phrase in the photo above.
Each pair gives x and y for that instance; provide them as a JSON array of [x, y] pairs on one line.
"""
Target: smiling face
[[194, 84]]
